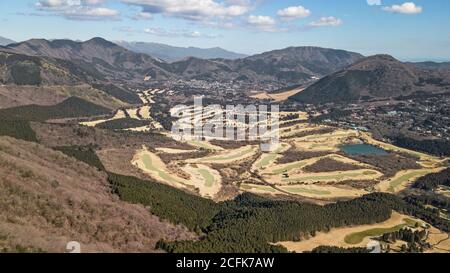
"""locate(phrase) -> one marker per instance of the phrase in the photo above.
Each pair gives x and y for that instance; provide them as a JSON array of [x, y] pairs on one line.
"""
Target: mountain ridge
[[374, 77], [170, 53], [103, 58], [111, 62], [432, 65], [5, 41]]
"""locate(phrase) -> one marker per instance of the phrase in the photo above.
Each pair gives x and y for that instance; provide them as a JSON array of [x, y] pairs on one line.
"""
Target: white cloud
[[194, 34], [78, 9], [294, 12], [100, 12], [67, 3], [374, 2], [327, 21], [171, 33], [196, 10], [405, 8], [260, 20], [262, 23], [143, 16]]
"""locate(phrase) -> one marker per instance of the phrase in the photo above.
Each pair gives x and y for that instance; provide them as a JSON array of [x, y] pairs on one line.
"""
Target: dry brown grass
[[277, 97], [48, 199]]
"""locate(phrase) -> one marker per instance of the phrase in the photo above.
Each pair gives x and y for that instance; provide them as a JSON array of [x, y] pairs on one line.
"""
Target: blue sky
[[413, 31]]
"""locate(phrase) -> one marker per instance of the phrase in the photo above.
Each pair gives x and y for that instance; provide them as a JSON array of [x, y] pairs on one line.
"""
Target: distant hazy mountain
[[5, 41], [432, 65], [375, 77], [172, 54]]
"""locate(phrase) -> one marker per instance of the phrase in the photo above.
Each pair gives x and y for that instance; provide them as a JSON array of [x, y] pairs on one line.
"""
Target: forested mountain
[[288, 66], [104, 59], [23, 69], [375, 77]]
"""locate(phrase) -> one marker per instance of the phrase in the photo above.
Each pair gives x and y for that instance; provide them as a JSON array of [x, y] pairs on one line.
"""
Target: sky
[[410, 31]]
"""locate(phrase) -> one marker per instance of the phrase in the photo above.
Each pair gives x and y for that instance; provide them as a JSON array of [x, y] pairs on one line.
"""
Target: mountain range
[[105, 61], [5, 41], [373, 78], [172, 53], [432, 65], [344, 76], [290, 66], [101, 59]]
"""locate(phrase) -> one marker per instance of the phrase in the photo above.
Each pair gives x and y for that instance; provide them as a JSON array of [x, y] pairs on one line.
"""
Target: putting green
[[266, 160], [207, 176], [148, 163], [358, 237], [227, 156], [258, 188], [404, 178]]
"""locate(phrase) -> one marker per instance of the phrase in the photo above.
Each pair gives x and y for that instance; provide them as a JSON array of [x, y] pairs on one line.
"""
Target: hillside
[[172, 53], [20, 69], [45, 80], [375, 77], [49, 199], [104, 59]]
